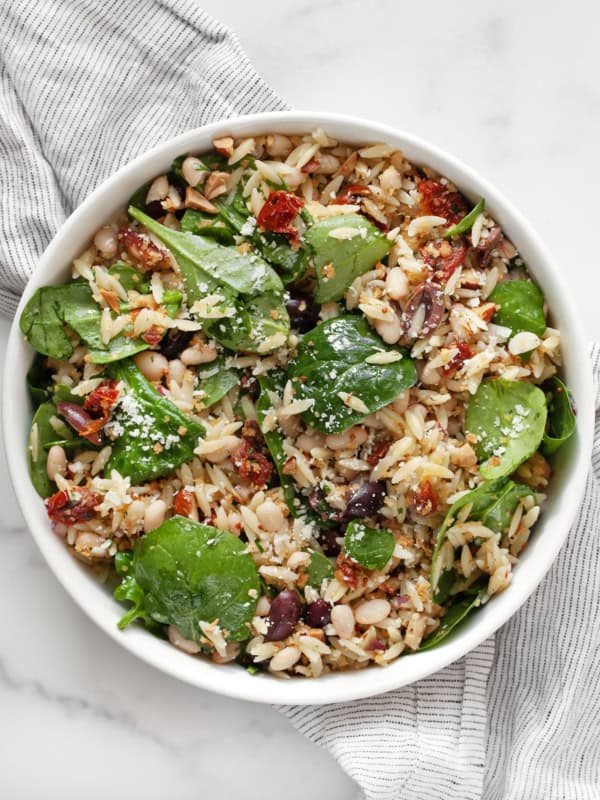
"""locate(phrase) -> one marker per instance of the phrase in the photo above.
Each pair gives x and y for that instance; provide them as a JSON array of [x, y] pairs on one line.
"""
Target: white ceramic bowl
[[550, 533]]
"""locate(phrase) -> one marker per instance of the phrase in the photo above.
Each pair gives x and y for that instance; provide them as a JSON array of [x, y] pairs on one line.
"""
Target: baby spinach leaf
[[369, 547], [561, 417], [508, 418], [52, 308], [466, 223], [339, 261], [271, 387], [190, 573], [521, 306], [38, 380], [493, 503], [319, 569], [450, 621], [216, 381], [130, 278], [41, 438], [242, 273], [153, 436], [333, 359], [204, 225], [138, 198], [42, 320], [247, 283]]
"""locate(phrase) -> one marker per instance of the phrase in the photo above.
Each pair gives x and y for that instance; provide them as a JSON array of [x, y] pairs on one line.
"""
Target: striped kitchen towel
[[82, 92]]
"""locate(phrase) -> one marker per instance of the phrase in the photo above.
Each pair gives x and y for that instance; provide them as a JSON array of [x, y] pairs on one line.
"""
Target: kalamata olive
[[175, 342], [328, 540], [486, 246], [155, 209], [283, 616], [304, 314], [80, 420], [366, 500], [318, 613], [423, 311]]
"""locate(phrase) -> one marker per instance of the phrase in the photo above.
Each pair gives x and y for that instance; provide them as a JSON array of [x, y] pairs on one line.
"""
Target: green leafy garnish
[[561, 417], [184, 573], [254, 315], [38, 380], [466, 223], [41, 438], [334, 368], [493, 504], [338, 261], [215, 380], [450, 621], [319, 569], [369, 547], [271, 389], [130, 278], [508, 418], [153, 435], [521, 306]]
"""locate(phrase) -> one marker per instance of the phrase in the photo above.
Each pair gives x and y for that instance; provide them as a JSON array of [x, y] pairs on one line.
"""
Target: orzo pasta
[[300, 400]]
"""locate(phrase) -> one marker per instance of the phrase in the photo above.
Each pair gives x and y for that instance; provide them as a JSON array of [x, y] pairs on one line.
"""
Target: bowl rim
[[231, 680]]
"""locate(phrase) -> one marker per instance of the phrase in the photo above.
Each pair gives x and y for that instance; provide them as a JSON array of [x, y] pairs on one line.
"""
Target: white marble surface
[[511, 88]]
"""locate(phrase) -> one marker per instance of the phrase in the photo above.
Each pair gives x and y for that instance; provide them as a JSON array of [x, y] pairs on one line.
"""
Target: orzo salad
[[298, 403]]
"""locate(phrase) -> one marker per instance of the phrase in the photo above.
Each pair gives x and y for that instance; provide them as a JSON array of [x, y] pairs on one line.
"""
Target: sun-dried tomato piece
[[183, 503], [101, 401], [153, 335], [444, 257], [438, 200], [456, 362], [89, 419], [143, 250], [425, 499], [349, 571], [378, 451], [351, 195], [251, 464], [278, 212], [70, 507]]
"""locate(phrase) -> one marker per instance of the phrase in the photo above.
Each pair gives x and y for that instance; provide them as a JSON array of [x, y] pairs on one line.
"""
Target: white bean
[[232, 651], [278, 145], [154, 515], [176, 370], [159, 189], [136, 511], [523, 342], [372, 611], [396, 284], [152, 365], [270, 516], [263, 606], [105, 241], [284, 659], [193, 170], [198, 355], [342, 620], [181, 643], [348, 440], [298, 559], [389, 329], [56, 462]]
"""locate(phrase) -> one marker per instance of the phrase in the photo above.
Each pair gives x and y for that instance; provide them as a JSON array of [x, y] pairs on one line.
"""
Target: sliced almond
[[224, 145], [216, 184], [193, 199]]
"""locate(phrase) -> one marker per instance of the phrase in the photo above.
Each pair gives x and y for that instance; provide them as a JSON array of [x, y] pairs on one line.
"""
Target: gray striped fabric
[[86, 86], [83, 90]]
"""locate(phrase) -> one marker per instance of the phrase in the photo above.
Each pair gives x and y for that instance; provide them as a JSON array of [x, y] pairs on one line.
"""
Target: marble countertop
[[510, 88]]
